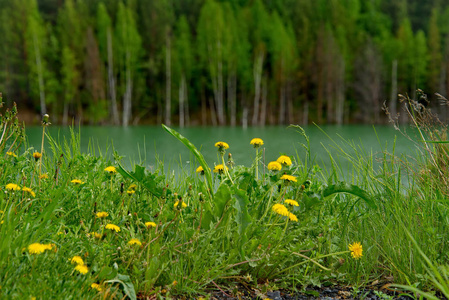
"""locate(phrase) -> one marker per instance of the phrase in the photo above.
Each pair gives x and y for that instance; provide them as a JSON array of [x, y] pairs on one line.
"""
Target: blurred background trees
[[221, 62]]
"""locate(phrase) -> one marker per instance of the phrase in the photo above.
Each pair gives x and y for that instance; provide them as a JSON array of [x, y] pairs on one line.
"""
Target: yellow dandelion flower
[[82, 269], [284, 160], [11, 154], [37, 155], [288, 178], [97, 235], [130, 192], [36, 248], [281, 210], [293, 217], [113, 227], [101, 214], [77, 181], [29, 191], [200, 170], [77, 260], [50, 247], [96, 286], [12, 187], [150, 224], [43, 176], [291, 202], [274, 166], [134, 242], [256, 142], [111, 170], [221, 145], [219, 169], [183, 204], [132, 187], [356, 250]]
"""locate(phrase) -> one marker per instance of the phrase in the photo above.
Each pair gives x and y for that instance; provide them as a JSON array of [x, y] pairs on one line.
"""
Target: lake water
[[144, 143]]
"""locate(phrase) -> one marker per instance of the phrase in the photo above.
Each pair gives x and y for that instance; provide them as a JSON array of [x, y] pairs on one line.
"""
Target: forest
[[221, 62]]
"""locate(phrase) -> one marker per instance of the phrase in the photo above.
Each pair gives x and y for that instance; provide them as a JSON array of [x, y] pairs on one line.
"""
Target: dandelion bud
[[45, 120]]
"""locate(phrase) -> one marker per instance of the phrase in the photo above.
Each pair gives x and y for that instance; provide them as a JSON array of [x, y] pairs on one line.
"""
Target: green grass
[[227, 234]]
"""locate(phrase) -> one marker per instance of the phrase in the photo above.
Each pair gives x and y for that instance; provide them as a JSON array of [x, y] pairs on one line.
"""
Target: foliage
[[145, 234], [270, 62]]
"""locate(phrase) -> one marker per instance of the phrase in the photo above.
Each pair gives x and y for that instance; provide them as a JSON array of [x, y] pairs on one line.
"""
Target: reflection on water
[[145, 143]]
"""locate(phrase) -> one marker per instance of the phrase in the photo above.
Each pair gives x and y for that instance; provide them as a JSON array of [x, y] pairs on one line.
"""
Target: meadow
[[79, 226]]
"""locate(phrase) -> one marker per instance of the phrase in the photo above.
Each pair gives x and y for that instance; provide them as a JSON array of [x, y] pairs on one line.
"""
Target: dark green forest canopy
[[227, 62]]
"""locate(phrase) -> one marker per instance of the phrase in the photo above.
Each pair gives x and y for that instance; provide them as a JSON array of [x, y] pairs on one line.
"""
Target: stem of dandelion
[[257, 164], [42, 154], [225, 169]]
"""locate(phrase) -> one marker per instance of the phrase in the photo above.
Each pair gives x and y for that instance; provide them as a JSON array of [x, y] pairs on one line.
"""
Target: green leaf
[[343, 187], [195, 152], [221, 198], [139, 176], [242, 218], [127, 285]]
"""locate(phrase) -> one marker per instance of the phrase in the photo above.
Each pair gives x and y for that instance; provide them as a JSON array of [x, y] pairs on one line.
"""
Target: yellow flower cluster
[[150, 224], [288, 178], [283, 211], [11, 154], [221, 145], [38, 248], [284, 160], [256, 142], [274, 166], [12, 187], [356, 250], [96, 286], [291, 202], [220, 169], [77, 181], [134, 242], [77, 260], [111, 170], [29, 191], [113, 227], [83, 269], [37, 155], [101, 214], [80, 265], [183, 204]]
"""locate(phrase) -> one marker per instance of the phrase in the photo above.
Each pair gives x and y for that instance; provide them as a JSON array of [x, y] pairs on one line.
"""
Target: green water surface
[[142, 144]]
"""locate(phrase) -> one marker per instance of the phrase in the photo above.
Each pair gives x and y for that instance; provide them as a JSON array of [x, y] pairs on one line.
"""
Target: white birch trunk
[[263, 109], [232, 90], [111, 80], [167, 80], [257, 73], [181, 102], [127, 97], [394, 89], [40, 75]]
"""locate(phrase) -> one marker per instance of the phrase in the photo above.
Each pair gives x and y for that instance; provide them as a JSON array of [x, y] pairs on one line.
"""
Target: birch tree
[[128, 49], [105, 39]]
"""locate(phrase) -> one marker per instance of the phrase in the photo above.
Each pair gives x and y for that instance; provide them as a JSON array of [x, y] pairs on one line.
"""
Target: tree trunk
[[220, 104], [257, 72], [40, 74], [167, 118], [305, 117], [263, 109], [213, 115], [127, 97], [111, 80], [186, 103], [232, 90], [340, 91], [181, 102], [394, 89]]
